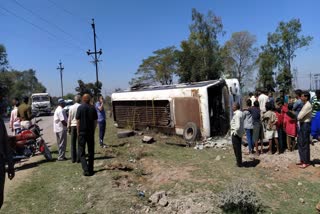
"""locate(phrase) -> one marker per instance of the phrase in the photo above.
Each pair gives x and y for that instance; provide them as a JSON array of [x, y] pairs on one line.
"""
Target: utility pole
[[61, 69], [310, 81], [95, 52]]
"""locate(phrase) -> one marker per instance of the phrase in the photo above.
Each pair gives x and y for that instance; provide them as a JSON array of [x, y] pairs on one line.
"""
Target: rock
[[276, 169], [147, 139], [154, 199], [163, 201], [299, 184], [301, 200], [89, 196], [318, 207], [223, 157], [125, 133], [218, 158]]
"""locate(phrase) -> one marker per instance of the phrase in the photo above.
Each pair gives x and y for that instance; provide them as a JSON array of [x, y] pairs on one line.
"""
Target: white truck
[[41, 104]]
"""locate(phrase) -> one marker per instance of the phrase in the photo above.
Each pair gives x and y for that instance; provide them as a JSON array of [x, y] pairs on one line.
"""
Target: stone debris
[[125, 133], [301, 200], [147, 139], [213, 142], [155, 198], [165, 203], [318, 207], [299, 184], [218, 158]]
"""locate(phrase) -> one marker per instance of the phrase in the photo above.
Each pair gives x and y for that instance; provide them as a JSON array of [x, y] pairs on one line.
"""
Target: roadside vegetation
[[129, 172]]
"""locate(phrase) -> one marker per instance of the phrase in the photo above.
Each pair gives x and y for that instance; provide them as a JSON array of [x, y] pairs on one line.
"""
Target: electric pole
[[61, 69], [95, 52]]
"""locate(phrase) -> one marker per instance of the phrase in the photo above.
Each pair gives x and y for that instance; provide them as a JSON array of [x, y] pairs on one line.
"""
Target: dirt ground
[[23, 168], [186, 180]]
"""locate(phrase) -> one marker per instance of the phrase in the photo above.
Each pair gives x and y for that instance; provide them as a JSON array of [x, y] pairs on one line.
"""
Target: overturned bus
[[191, 110]]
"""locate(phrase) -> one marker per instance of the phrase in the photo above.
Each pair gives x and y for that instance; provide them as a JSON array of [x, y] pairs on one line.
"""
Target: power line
[[38, 27], [46, 21], [86, 20]]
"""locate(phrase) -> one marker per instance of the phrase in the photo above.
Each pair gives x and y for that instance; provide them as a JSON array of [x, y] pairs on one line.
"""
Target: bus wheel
[[191, 132]]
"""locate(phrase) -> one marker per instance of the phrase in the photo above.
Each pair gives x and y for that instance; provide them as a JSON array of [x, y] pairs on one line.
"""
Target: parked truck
[[41, 104]]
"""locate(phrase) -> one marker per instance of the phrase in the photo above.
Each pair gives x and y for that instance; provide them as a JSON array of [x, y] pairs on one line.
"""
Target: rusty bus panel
[[142, 113], [186, 110]]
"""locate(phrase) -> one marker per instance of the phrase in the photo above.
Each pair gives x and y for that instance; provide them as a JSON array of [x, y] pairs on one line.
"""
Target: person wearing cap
[[60, 128], [24, 113]]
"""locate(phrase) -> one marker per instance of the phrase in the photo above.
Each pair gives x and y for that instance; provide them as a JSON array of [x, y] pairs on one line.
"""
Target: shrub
[[239, 198]]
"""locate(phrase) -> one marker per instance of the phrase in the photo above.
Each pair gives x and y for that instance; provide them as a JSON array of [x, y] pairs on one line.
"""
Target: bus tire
[[191, 132]]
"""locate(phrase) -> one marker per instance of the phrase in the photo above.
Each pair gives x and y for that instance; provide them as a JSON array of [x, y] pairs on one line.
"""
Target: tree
[[199, 58], [240, 56], [93, 89], [284, 43], [3, 58], [20, 83], [266, 63], [159, 68], [69, 96]]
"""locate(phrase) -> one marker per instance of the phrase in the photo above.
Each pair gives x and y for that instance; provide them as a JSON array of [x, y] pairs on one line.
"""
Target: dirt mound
[[204, 202]]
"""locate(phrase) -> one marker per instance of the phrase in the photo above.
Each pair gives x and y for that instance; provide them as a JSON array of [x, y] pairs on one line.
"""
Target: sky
[[39, 33]]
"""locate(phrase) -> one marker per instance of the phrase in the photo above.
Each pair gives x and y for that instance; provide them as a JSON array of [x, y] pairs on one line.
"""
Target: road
[[46, 124]]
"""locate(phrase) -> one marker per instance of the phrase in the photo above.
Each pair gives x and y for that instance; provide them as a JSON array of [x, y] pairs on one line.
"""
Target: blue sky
[[130, 30]]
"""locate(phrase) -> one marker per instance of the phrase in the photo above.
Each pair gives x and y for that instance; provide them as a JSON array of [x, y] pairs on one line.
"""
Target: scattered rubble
[[214, 142], [301, 200], [125, 133], [147, 139], [155, 198], [165, 203], [218, 158], [318, 207]]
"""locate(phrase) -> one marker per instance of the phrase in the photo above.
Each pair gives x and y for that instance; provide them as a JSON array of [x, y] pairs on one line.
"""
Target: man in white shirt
[[237, 131], [14, 123], [60, 128], [72, 129], [263, 99]]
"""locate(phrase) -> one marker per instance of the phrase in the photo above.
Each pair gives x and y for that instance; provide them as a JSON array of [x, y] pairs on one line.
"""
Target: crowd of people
[[80, 124], [286, 123]]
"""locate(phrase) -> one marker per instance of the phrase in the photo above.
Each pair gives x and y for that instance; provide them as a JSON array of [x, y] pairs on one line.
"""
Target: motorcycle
[[29, 142]]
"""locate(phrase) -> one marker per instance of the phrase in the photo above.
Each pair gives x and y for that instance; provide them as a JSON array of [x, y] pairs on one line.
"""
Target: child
[[290, 126], [270, 119]]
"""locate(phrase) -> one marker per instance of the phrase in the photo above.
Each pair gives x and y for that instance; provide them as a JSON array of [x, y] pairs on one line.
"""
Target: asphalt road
[[46, 124]]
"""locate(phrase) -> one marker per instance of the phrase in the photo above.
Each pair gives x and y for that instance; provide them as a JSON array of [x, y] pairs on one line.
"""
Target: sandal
[[303, 166], [300, 163]]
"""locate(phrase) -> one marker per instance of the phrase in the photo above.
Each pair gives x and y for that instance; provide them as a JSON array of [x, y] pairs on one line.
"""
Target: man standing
[[24, 113], [101, 120], [237, 132], [86, 125], [72, 128], [304, 118], [252, 97], [14, 123], [60, 128], [5, 156], [262, 99]]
